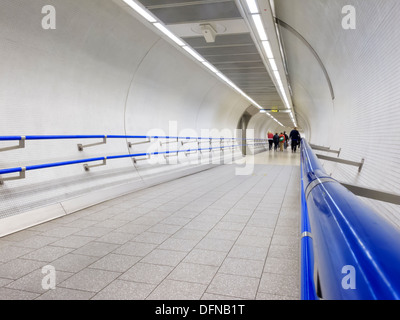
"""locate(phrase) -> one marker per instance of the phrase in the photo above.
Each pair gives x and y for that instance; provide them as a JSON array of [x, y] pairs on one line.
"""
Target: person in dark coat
[[276, 141], [295, 137]]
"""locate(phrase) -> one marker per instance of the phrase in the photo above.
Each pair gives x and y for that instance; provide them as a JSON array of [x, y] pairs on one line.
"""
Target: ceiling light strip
[[143, 12], [257, 20], [169, 34], [252, 5]]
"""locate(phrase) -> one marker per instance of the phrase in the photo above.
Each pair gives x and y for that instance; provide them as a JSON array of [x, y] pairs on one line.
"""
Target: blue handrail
[[307, 284], [65, 163], [357, 256], [68, 137]]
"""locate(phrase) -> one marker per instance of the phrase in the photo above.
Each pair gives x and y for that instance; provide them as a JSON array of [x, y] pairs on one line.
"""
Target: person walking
[[270, 139], [276, 141], [281, 141], [286, 139], [295, 137]]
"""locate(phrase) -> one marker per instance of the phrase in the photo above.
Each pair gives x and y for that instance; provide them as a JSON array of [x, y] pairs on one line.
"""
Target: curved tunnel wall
[[99, 72], [363, 65]]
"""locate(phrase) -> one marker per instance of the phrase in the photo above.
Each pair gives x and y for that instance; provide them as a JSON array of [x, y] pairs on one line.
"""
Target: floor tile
[[125, 290], [147, 273], [234, 286], [90, 280], [242, 267], [193, 273], [164, 257], [115, 262], [177, 290]]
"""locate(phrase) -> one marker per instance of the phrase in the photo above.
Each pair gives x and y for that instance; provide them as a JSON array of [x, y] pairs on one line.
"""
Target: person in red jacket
[[270, 139], [281, 141]]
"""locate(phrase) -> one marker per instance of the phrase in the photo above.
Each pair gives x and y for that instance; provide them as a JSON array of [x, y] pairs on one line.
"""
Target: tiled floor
[[212, 235]]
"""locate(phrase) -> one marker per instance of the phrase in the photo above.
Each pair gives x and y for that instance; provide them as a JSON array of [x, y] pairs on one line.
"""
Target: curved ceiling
[[233, 48]]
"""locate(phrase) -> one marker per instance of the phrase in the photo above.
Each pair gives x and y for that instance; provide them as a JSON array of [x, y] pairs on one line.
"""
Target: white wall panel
[[100, 72], [364, 68]]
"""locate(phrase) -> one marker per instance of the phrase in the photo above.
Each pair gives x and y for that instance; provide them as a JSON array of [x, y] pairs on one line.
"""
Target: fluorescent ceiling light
[[278, 77], [252, 6], [223, 77], [210, 66], [260, 27], [273, 65], [140, 10], [169, 34], [268, 50], [194, 53]]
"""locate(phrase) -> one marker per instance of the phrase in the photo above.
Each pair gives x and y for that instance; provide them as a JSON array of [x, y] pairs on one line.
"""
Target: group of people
[[282, 140]]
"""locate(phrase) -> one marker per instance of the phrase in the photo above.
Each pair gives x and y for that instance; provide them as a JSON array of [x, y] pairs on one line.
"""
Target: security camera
[[209, 32]]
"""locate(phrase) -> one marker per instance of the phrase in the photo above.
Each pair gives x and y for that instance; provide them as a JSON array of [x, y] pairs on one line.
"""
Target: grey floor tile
[[93, 231], [96, 249], [81, 223], [73, 262], [124, 290], [189, 234], [61, 232], [176, 221], [207, 257], [229, 225], [277, 284], [242, 267], [47, 254], [282, 266], [223, 234], [164, 228], [164, 257], [253, 241], [211, 296], [258, 231], [183, 245], [230, 217], [151, 237], [115, 262], [11, 294], [117, 237], [215, 244], [234, 286], [268, 296], [4, 282], [287, 252], [23, 235], [248, 252], [32, 282], [73, 241], [200, 225], [135, 248], [177, 290], [17, 268], [133, 228], [90, 280], [10, 252], [147, 273], [36, 242], [66, 294], [110, 223], [190, 272], [285, 240]]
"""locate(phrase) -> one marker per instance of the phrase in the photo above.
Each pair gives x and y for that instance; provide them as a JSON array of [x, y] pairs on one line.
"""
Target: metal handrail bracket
[[20, 176], [81, 146], [348, 162], [88, 167], [20, 145]]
